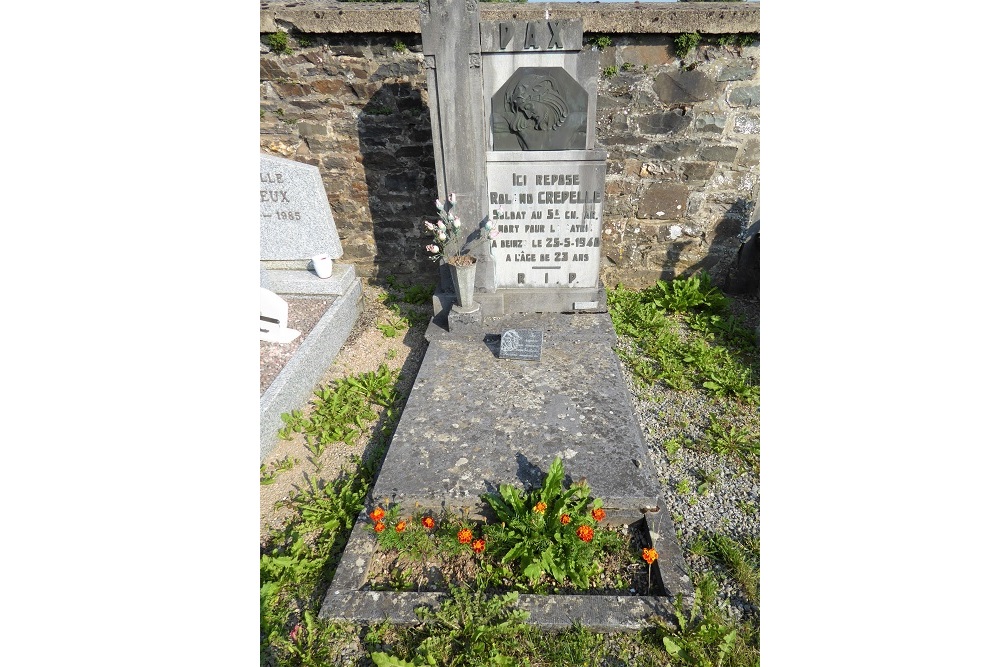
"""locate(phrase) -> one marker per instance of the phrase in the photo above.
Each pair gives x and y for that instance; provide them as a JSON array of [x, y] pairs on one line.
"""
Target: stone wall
[[682, 134]]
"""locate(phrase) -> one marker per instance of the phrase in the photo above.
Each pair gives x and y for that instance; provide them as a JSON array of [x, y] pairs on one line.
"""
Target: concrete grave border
[[347, 599], [293, 386]]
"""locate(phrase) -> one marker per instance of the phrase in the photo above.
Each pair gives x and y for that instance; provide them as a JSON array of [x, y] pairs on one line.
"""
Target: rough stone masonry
[[682, 132]]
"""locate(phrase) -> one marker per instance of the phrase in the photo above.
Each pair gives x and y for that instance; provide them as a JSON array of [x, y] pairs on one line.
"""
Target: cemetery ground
[[691, 357]]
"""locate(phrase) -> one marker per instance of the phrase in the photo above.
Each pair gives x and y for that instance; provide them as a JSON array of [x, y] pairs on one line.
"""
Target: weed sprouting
[[685, 337], [269, 474], [278, 41], [686, 42]]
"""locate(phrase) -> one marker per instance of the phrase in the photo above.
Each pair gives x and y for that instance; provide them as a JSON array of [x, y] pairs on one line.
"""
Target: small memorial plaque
[[521, 344]]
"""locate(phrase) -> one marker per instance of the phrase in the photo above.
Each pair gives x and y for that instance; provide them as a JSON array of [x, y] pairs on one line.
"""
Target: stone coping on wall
[[329, 16]]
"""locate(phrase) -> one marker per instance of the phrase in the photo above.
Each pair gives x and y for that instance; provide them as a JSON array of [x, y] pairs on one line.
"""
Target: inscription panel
[[514, 36], [525, 344], [295, 217], [548, 214]]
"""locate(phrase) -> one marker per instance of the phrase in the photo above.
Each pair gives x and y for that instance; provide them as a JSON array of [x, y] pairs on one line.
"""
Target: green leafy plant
[[738, 39], [417, 294], [699, 546], [706, 478], [610, 71], [728, 439], [686, 42], [268, 475], [294, 423], [469, 628], [549, 529], [297, 565], [278, 41], [742, 561], [601, 42], [392, 328], [688, 356], [700, 642], [399, 46], [685, 294], [400, 291], [341, 409], [627, 66]]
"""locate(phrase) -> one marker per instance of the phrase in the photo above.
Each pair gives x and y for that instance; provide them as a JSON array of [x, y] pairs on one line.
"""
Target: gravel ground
[[730, 504]]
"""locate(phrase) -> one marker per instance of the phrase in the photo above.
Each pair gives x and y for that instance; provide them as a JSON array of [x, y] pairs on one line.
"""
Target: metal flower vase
[[463, 277]]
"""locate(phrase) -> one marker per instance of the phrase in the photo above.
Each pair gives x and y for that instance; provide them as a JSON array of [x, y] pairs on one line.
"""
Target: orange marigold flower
[[564, 519], [585, 533], [428, 522], [540, 507], [479, 545], [401, 526], [649, 555], [464, 536], [377, 514], [379, 526], [598, 514]]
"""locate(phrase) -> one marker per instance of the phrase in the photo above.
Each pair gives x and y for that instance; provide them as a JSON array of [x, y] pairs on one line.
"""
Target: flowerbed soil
[[620, 573]]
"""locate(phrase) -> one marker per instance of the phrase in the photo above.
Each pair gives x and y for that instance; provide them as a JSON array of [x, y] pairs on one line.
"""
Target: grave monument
[[299, 247], [523, 97], [531, 375]]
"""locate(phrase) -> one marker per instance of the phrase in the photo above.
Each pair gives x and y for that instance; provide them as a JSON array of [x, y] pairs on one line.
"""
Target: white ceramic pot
[[323, 266]]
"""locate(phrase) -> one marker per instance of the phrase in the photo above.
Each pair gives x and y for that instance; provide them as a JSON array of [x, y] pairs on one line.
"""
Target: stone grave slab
[[473, 420]]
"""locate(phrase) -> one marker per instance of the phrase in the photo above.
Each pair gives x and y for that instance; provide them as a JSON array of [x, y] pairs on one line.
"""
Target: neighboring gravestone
[[522, 344], [296, 225], [295, 218]]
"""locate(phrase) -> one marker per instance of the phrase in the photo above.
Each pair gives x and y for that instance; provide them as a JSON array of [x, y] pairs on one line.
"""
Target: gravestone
[[296, 225], [512, 112], [523, 97]]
